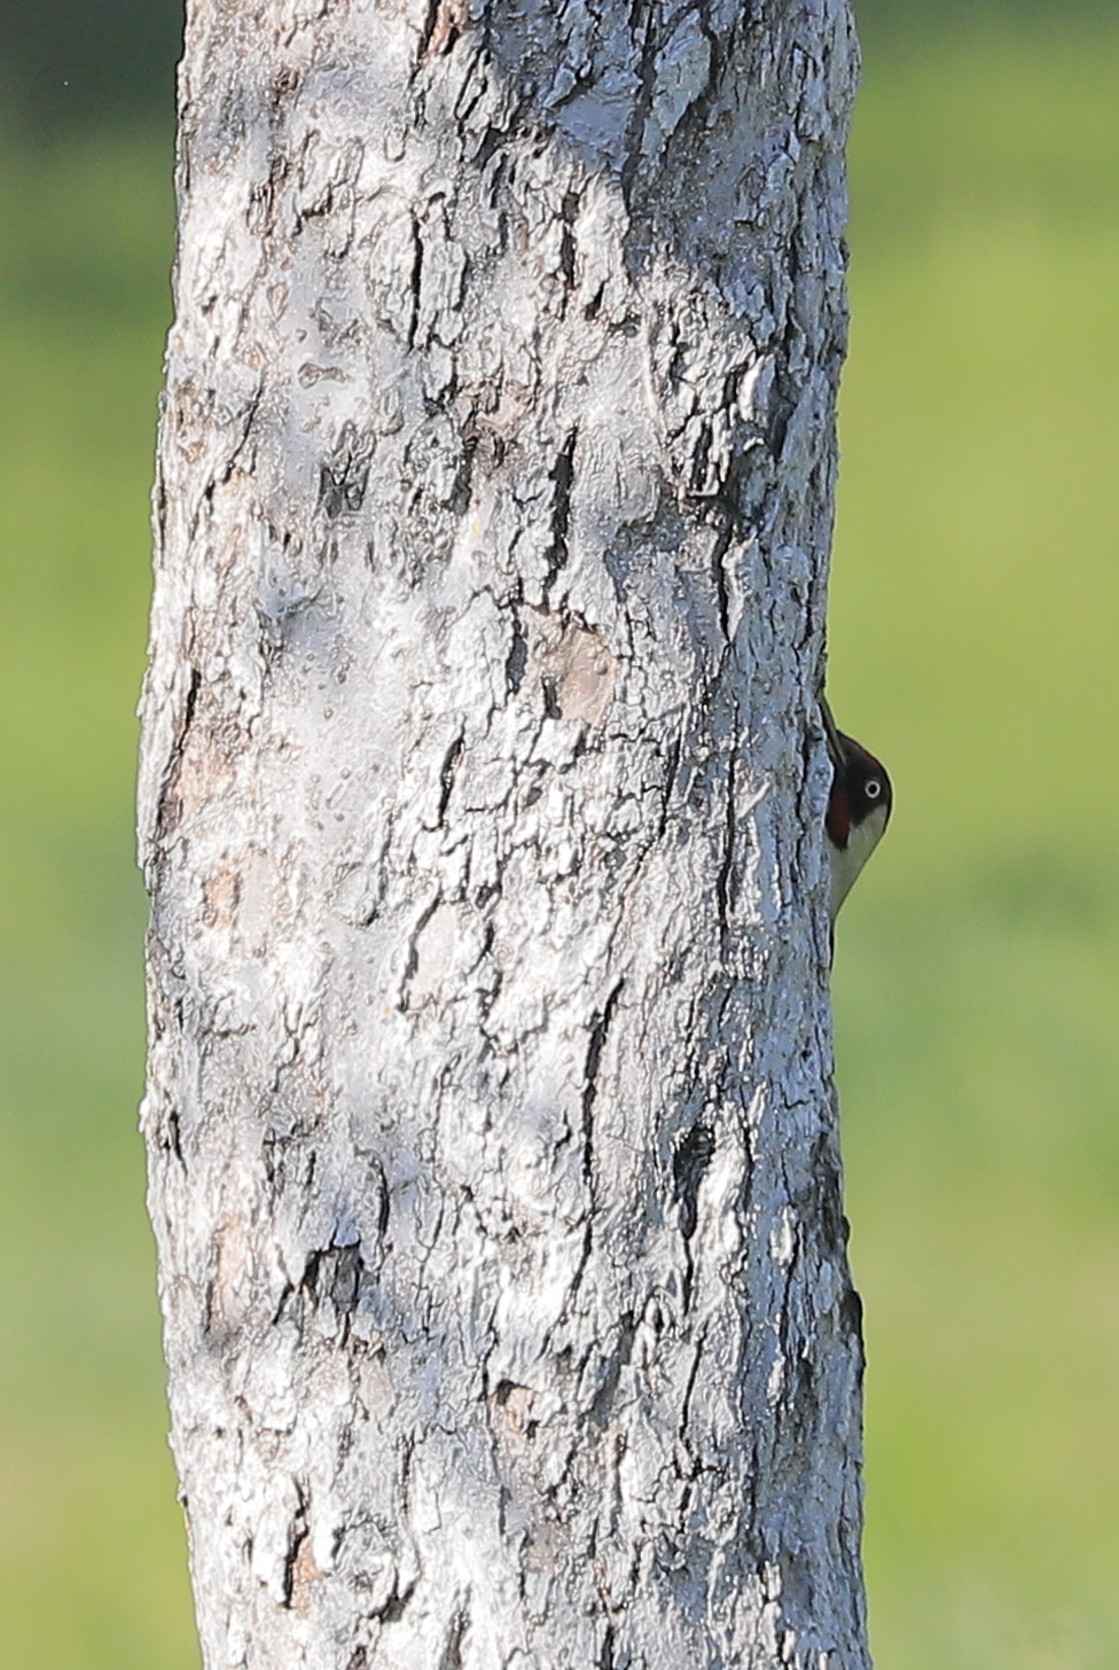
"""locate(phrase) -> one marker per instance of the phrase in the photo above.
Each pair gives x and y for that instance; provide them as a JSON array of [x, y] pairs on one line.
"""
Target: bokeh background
[[975, 597]]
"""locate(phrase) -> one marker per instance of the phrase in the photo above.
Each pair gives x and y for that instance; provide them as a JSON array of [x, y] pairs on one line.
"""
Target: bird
[[859, 806]]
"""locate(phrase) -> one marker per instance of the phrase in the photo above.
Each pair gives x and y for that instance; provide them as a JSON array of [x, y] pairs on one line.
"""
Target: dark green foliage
[[64, 63]]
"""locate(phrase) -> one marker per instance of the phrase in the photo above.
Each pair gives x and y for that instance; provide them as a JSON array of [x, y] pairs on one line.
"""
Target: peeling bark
[[492, 1135]]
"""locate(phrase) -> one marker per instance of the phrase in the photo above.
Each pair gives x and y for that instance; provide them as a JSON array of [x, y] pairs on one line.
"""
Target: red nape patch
[[839, 817]]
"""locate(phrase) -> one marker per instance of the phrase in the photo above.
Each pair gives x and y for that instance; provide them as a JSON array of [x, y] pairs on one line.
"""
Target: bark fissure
[[600, 1028], [562, 477], [447, 777], [169, 804]]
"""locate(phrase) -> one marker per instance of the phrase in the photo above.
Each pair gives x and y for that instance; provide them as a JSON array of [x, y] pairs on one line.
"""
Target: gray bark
[[492, 1134]]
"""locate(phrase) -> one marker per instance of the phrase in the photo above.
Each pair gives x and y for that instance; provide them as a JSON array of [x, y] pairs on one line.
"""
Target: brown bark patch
[[304, 1572], [514, 1404], [576, 666], [221, 890], [209, 744], [446, 23]]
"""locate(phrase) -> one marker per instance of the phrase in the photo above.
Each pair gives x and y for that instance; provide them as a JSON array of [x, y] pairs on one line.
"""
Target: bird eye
[[872, 788]]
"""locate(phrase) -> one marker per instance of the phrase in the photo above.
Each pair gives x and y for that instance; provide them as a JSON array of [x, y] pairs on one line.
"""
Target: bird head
[[859, 807]]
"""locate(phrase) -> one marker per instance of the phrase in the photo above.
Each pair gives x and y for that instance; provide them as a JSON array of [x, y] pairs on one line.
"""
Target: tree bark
[[492, 1135]]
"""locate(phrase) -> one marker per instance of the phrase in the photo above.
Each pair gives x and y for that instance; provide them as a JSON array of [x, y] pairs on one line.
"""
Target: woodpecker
[[859, 807]]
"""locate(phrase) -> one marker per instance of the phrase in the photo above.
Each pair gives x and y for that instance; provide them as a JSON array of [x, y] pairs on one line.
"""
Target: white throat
[[846, 864]]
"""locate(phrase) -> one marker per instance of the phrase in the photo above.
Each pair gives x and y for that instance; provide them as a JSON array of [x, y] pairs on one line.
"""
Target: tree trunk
[[492, 1133]]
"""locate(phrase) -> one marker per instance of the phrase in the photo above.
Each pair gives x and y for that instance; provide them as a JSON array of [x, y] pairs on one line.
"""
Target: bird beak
[[831, 734]]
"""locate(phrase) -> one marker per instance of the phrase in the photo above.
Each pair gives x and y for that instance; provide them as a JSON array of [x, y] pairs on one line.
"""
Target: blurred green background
[[975, 596], [975, 593]]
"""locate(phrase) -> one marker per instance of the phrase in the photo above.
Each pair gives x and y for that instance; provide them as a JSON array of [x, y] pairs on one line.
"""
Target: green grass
[[975, 591]]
